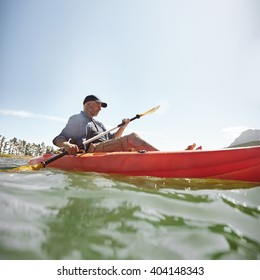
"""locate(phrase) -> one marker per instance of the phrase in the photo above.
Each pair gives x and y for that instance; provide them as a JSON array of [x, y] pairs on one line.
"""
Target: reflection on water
[[52, 214]]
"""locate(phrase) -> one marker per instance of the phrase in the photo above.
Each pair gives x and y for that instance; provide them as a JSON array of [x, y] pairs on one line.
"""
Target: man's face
[[92, 108]]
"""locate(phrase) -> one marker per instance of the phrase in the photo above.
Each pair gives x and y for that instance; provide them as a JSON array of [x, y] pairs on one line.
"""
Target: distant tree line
[[22, 148]]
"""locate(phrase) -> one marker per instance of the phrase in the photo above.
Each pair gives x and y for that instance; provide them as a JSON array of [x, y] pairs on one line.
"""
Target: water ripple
[[52, 214]]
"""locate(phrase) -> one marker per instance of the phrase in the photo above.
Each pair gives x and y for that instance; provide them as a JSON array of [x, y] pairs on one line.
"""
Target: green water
[[52, 214]]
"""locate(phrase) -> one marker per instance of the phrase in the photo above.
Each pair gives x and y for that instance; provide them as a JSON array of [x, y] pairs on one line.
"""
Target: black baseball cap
[[94, 98]]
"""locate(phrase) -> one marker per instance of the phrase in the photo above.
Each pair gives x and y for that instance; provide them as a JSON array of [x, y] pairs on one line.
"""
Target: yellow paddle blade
[[26, 168], [150, 111]]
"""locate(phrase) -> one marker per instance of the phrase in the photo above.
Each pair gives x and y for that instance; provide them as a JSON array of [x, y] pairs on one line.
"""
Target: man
[[83, 126]]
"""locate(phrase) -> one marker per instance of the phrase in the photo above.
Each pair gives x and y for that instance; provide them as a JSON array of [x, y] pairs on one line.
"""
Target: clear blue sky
[[199, 60]]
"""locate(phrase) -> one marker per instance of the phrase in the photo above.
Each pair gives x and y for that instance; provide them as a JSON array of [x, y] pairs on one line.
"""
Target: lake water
[[53, 214]]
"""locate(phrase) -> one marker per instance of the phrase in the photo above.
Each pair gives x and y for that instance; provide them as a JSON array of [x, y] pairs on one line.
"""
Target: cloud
[[30, 115], [234, 131]]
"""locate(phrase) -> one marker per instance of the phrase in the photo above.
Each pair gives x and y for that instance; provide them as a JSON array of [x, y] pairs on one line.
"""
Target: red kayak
[[230, 164]]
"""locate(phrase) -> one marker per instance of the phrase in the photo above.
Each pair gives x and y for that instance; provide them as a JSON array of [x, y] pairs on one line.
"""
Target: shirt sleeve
[[71, 130]]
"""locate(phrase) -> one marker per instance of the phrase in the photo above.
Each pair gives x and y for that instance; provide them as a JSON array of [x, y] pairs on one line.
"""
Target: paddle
[[44, 164]]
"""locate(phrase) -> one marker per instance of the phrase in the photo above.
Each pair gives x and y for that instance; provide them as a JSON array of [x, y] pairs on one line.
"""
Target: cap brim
[[103, 104]]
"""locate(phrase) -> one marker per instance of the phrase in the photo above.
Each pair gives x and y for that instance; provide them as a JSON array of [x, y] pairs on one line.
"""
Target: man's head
[[92, 105], [94, 98]]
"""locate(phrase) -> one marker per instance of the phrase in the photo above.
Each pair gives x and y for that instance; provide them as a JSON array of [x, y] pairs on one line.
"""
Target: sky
[[199, 60]]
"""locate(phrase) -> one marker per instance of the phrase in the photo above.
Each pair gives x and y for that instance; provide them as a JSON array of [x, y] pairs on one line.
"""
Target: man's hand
[[125, 122], [70, 148]]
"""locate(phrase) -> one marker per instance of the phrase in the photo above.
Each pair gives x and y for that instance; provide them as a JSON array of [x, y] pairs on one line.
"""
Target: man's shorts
[[114, 145]]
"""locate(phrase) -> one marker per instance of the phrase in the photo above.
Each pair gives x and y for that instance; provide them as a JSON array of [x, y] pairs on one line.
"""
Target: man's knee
[[133, 136]]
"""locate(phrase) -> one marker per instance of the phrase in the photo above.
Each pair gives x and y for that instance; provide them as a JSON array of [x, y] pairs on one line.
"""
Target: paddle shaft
[[55, 158]]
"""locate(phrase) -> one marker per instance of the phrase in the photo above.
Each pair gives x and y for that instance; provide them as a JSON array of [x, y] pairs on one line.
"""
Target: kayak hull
[[230, 164]]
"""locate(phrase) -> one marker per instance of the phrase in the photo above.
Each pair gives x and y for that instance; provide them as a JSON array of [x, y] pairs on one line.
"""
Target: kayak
[[231, 164]]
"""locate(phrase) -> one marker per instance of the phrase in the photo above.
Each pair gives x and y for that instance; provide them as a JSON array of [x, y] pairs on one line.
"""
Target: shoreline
[[14, 156]]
